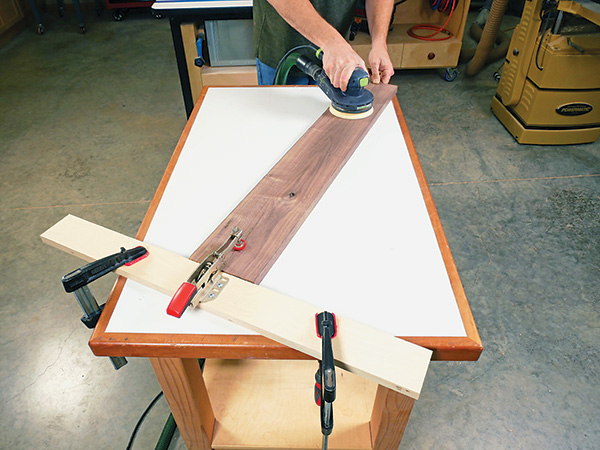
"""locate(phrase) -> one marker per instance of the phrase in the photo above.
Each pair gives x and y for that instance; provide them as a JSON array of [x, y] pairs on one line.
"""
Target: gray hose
[[489, 36], [167, 434]]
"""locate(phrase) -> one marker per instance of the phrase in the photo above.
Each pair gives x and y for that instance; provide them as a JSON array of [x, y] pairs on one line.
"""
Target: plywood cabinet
[[10, 13], [408, 52]]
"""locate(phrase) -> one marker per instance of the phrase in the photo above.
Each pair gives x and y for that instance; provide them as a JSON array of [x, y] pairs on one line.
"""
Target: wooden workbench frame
[[250, 346], [174, 357]]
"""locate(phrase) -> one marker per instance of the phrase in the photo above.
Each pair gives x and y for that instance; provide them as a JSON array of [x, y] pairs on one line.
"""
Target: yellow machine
[[549, 91]]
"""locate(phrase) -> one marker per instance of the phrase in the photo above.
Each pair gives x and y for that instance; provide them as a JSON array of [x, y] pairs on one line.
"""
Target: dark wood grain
[[276, 208]]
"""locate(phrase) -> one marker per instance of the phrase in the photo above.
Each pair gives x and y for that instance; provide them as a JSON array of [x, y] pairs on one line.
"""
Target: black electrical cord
[[170, 426], [141, 420], [546, 14]]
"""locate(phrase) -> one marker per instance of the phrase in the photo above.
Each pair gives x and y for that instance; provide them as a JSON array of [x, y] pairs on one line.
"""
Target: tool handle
[[181, 299], [310, 68], [94, 270], [318, 386], [317, 73], [358, 80], [328, 368], [327, 330]]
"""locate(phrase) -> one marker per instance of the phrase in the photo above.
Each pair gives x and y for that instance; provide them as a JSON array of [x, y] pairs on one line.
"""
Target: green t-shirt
[[273, 37]]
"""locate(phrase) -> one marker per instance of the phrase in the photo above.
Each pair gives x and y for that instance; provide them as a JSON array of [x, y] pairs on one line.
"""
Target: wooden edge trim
[[449, 348], [457, 287], [248, 346]]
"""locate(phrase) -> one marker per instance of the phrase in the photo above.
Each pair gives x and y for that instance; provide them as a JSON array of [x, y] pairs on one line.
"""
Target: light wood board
[[363, 350]]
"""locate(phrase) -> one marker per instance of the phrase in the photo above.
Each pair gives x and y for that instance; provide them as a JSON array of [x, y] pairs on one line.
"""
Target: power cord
[[141, 420], [170, 426], [546, 14]]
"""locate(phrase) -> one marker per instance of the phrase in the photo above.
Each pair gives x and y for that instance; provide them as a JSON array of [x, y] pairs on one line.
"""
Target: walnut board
[[272, 213], [377, 356]]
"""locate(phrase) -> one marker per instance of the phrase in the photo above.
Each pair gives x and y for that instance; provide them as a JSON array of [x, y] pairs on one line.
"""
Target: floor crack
[[37, 378]]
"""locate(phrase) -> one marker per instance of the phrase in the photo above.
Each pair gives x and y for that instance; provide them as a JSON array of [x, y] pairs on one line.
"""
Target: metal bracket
[[208, 278]]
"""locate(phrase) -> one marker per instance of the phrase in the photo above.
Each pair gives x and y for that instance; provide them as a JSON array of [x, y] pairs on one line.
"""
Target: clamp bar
[[78, 280]]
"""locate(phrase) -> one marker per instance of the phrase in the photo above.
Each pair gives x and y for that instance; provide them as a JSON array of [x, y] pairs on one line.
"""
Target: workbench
[[372, 249]]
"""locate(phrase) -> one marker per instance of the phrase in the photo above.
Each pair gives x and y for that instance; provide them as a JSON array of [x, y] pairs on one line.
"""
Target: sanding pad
[[351, 116]]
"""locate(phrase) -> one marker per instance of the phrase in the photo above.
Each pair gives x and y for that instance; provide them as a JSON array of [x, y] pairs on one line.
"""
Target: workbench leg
[[183, 386], [389, 418], [184, 75], [189, 31]]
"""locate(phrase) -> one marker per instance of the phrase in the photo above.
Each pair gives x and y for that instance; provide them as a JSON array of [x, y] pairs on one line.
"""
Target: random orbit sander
[[354, 103]]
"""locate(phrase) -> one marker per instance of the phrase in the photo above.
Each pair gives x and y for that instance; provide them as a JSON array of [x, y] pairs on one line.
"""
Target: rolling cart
[[61, 13], [424, 35], [121, 7]]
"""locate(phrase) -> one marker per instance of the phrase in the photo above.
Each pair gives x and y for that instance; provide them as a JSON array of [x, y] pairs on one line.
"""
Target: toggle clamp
[[325, 376], [78, 280], [206, 282]]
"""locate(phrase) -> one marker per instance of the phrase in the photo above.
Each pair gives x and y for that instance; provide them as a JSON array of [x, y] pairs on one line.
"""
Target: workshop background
[[88, 123]]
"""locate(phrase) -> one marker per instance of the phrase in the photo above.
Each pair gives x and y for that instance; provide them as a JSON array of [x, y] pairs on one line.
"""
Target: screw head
[[515, 51]]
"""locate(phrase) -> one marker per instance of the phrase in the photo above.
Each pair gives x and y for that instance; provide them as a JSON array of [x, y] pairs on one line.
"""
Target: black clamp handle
[[325, 377], [94, 270], [77, 281]]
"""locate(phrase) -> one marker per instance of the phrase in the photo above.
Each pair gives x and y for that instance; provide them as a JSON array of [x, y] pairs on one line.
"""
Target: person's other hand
[[382, 68]]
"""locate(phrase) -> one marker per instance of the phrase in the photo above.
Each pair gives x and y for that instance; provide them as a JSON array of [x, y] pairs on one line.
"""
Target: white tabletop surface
[[367, 251], [190, 4]]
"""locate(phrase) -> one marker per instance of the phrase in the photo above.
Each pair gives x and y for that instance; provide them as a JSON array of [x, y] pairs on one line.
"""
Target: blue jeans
[[266, 76]]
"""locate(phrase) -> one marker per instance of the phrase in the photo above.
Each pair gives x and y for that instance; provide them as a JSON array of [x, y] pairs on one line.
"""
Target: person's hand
[[339, 62], [382, 68]]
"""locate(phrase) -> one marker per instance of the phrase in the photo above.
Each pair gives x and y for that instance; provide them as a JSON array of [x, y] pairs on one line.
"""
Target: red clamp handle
[[181, 299], [187, 290]]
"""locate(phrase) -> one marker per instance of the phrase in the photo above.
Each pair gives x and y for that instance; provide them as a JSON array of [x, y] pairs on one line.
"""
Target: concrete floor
[[88, 123]]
